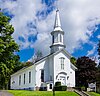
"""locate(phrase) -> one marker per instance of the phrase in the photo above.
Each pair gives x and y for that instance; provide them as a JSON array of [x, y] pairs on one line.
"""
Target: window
[[19, 79], [57, 38], [29, 77], [13, 82], [50, 86], [42, 75], [60, 38], [53, 39], [24, 78], [62, 62], [51, 78]]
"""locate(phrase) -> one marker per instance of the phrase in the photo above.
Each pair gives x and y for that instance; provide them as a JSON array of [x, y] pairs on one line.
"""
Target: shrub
[[43, 89], [58, 84], [63, 88], [83, 88], [60, 88]]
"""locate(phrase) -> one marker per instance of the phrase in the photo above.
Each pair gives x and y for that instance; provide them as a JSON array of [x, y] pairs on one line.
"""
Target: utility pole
[[53, 91]]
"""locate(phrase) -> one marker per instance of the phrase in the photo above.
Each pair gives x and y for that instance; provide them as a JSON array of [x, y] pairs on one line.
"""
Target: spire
[[57, 25]]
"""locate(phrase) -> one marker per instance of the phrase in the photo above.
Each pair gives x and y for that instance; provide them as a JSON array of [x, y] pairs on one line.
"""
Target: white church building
[[50, 69]]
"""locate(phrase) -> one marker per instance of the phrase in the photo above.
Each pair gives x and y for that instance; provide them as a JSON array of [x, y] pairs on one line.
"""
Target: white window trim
[[62, 62]]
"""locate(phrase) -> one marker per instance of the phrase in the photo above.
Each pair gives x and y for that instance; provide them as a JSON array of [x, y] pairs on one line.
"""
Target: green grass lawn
[[41, 93], [93, 94]]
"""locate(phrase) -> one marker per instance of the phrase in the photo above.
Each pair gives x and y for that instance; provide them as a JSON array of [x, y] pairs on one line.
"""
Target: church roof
[[53, 54], [43, 58]]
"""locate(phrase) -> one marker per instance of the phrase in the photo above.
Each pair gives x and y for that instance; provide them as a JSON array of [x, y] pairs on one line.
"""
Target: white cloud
[[24, 12], [78, 18], [91, 52], [98, 36]]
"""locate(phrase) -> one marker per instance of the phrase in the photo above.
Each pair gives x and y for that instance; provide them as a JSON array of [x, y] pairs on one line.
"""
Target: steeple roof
[[57, 24]]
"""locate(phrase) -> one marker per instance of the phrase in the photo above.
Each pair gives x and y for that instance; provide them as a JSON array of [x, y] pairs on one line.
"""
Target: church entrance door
[[63, 80]]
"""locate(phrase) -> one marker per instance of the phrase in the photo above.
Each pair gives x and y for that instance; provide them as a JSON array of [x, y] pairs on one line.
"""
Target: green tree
[[86, 72], [8, 60], [39, 55], [98, 49], [73, 60], [98, 67]]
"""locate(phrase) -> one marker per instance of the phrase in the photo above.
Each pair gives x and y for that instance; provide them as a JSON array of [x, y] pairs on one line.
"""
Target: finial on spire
[[57, 5], [57, 20]]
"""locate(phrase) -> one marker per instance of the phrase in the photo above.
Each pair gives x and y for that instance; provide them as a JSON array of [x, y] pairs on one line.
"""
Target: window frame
[[52, 38], [62, 59], [60, 38], [42, 75], [24, 77], [29, 76], [50, 86], [19, 80]]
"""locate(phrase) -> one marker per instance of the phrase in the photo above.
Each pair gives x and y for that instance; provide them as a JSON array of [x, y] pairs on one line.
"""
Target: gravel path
[[5, 93]]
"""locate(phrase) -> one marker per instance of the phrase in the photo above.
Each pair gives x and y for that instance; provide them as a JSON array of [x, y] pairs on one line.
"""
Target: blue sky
[[80, 20]]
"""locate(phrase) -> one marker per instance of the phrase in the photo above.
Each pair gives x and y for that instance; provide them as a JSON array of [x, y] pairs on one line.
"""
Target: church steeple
[[57, 24], [57, 35]]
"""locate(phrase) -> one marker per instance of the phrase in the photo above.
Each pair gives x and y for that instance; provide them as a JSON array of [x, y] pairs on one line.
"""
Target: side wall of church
[[71, 78], [39, 67], [51, 68], [47, 66], [20, 80]]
